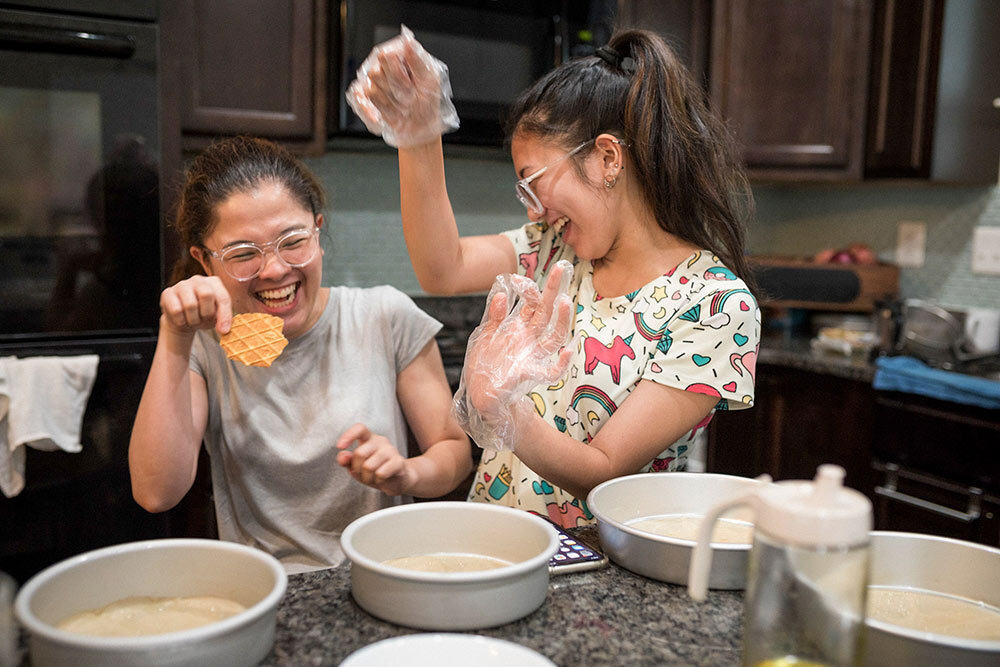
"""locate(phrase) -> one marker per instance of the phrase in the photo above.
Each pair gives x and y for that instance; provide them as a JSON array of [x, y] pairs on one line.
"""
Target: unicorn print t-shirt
[[695, 328]]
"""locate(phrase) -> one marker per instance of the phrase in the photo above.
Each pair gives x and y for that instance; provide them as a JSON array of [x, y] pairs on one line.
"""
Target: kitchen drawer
[[912, 501]]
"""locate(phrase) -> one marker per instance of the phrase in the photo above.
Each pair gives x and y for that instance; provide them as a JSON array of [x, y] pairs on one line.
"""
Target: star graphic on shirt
[[621, 309], [572, 416], [574, 372], [659, 293], [597, 322]]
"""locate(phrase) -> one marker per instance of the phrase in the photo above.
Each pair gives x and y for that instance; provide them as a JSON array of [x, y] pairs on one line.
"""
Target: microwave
[[494, 50]]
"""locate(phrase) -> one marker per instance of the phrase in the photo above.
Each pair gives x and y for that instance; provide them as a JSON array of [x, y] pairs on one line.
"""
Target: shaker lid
[[821, 512]]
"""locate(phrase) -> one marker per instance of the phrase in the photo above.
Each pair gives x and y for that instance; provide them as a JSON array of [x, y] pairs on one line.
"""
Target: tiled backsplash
[[801, 220], [364, 244]]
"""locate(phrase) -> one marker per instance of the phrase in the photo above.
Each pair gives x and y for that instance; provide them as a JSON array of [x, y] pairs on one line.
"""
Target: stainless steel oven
[[80, 237]]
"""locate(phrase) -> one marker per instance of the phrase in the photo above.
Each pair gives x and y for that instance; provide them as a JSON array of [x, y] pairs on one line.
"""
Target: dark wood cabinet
[[684, 24], [928, 466], [250, 67], [967, 130], [791, 77], [906, 48], [800, 420]]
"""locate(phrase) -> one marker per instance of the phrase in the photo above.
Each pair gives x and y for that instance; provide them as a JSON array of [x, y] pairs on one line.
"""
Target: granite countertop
[[603, 617], [796, 351]]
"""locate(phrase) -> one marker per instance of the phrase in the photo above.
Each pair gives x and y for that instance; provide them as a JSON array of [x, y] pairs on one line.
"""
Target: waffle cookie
[[254, 339]]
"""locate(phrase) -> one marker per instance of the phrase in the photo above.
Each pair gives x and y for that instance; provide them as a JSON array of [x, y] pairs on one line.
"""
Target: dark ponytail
[[683, 157], [228, 167]]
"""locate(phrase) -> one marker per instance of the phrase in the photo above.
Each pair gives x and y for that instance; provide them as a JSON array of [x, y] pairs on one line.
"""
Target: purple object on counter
[[915, 377]]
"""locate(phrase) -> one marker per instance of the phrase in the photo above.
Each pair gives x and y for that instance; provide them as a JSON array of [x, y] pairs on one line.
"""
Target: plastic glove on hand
[[519, 344], [402, 93]]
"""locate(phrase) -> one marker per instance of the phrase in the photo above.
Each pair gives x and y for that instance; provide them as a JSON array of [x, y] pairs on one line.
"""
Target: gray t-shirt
[[271, 431]]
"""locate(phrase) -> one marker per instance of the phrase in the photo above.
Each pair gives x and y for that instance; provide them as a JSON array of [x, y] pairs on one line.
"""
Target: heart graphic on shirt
[[655, 367], [684, 280], [729, 386], [543, 488], [487, 477], [700, 360], [676, 295], [743, 306], [740, 339]]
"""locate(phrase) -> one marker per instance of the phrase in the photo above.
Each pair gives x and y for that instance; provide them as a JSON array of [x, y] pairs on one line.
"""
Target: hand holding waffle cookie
[[255, 339], [301, 448]]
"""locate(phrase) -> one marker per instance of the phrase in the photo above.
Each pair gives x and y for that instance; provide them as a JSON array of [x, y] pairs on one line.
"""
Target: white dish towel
[[42, 400]]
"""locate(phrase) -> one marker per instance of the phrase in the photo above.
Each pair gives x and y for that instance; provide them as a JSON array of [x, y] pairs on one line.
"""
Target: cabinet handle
[[56, 40]]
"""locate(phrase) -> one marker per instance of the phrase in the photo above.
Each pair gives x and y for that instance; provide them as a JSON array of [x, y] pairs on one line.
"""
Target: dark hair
[[684, 158], [228, 167]]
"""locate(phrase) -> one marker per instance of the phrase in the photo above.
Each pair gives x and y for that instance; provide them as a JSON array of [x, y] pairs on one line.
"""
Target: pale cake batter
[[447, 562], [934, 612], [137, 616], [685, 527]]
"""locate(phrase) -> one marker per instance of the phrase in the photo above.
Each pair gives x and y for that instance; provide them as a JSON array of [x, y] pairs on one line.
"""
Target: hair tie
[[615, 59]]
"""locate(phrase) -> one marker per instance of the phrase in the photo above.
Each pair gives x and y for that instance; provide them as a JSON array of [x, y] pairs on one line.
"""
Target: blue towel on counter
[[915, 377]]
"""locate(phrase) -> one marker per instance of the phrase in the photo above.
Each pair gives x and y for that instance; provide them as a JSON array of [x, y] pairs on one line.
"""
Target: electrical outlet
[[986, 250], [911, 240]]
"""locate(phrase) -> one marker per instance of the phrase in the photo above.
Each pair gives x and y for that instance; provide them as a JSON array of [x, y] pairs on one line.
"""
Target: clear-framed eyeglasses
[[244, 261], [523, 188]]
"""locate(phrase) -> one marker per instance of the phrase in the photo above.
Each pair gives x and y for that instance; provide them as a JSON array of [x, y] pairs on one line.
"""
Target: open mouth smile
[[279, 298]]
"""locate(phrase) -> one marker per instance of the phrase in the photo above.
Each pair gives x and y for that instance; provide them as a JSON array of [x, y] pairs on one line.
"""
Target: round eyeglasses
[[523, 187], [244, 261]]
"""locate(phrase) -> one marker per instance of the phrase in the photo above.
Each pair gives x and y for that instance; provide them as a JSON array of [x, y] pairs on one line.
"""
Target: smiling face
[[260, 216], [582, 210]]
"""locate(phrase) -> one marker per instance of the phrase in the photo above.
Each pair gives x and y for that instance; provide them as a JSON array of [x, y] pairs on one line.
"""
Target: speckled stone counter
[[797, 352], [604, 617]]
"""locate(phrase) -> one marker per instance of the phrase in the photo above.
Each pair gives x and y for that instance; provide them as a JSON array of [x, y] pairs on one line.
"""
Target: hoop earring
[[610, 182]]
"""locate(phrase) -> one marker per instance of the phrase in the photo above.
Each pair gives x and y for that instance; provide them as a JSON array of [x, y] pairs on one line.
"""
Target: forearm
[[428, 220], [164, 445], [439, 469], [562, 460]]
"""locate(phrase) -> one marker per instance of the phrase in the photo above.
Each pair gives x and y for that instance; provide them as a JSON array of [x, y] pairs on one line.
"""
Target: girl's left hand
[[375, 461], [513, 350]]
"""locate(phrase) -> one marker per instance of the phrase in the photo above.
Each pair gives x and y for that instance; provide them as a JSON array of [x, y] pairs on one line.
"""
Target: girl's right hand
[[200, 302], [403, 94]]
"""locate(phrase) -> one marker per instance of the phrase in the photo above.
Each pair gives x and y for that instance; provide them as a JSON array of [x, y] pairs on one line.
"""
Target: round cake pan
[[619, 502], [155, 568], [934, 564], [450, 600]]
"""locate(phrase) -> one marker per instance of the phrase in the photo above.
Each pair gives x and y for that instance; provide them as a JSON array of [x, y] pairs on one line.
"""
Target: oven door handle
[[23, 37], [972, 513]]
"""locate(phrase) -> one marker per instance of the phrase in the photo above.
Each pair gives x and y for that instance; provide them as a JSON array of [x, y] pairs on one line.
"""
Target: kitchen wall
[[365, 244]]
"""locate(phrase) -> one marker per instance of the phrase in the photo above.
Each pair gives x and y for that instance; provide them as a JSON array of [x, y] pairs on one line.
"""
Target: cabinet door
[[791, 76], [967, 129], [252, 67], [799, 421], [685, 24], [905, 54]]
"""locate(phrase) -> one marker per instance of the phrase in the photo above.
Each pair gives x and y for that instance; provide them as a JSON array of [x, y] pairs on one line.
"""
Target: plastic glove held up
[[407, 103]]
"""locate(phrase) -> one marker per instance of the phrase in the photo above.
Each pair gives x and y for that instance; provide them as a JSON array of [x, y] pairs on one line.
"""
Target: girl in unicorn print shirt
[[628, 176]]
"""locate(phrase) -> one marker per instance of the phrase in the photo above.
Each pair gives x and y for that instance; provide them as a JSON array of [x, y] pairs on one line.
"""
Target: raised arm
[[444, 262], [173, 410], [398, 94]]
